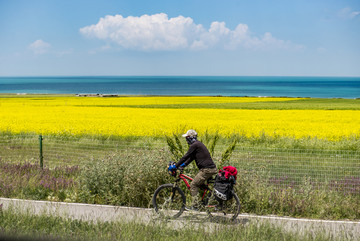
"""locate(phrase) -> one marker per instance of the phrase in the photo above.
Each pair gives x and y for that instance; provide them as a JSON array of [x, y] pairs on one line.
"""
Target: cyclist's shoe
[[196, 207], [192, 208]]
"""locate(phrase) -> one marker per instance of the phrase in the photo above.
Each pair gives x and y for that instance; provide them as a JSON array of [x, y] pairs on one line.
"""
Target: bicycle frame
[[172, 197], [185, 179]]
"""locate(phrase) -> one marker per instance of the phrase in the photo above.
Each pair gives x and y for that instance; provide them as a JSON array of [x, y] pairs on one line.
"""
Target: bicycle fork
[[173, 191]]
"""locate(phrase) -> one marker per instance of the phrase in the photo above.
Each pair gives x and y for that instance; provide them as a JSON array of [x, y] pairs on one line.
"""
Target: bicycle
[[169, 199]]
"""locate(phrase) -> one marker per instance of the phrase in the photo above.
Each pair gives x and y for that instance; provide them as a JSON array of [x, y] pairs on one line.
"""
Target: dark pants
[[200, 179]]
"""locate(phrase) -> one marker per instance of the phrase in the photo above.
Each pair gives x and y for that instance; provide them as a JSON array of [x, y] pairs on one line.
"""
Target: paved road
[[116, 213]]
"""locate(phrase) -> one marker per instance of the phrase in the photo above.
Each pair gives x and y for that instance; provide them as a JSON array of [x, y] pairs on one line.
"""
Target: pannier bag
[[224, 183]]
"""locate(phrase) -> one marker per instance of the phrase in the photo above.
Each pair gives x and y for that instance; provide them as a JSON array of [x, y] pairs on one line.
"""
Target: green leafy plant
[[225, 156], [175, 147], [212, 143], [177, 151], [104, 181]]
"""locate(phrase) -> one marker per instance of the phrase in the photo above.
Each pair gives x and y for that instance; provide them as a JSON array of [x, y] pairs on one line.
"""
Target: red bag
[[229, 171]]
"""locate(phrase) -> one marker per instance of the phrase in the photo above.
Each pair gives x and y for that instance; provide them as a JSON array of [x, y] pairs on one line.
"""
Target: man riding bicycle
[[207, 168]]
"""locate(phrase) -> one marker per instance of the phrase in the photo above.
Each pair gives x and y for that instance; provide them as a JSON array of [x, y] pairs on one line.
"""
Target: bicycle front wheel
[[169, 201], [224, 210]]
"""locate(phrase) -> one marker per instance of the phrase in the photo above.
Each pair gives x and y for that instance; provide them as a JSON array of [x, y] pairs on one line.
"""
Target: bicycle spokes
[[169, 201], [227, 210], [171, 198]]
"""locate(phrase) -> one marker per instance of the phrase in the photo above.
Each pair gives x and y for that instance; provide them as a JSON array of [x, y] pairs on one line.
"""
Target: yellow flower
[[136, 116]]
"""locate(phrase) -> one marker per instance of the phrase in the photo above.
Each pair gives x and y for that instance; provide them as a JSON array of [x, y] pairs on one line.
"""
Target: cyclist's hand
[[172, 168]]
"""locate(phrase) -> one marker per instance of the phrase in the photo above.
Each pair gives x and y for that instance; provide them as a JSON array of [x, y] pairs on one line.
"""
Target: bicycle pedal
[[219, 208]]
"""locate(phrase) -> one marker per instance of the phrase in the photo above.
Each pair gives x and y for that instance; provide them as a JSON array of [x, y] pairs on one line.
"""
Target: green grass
[[131, 177], [296, 104], [43, 227], [292, 104]]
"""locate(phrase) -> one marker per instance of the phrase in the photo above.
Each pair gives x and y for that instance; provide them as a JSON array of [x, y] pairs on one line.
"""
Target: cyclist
[[207, 168]]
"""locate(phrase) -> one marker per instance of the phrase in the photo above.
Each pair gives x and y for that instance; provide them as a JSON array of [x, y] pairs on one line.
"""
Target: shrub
[[103, 181], [130, 182]]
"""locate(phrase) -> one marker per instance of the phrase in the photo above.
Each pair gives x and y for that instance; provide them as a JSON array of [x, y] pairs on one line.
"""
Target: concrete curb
[[82, 211]]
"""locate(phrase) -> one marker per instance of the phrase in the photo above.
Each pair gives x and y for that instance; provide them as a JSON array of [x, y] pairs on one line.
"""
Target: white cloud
[[321, 50], [354, 14], [158, 32], [39, 47], [155, 32], [348, 13]]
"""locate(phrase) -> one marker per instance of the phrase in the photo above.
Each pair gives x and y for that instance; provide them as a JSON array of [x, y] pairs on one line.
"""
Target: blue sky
[[180, 37]]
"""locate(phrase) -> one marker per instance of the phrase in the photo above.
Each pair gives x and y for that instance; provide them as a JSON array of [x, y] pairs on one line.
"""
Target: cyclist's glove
[[182, 166], [172, 167]]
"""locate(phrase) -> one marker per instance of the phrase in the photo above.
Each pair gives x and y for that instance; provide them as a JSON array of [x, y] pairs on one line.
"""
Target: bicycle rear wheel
[[169, 201], [224, 210]]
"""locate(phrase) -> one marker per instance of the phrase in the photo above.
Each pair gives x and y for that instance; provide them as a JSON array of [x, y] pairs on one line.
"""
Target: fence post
[[41, 151]]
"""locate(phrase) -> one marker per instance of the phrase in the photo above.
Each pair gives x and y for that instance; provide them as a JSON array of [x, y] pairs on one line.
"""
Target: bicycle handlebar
[[174, 172]]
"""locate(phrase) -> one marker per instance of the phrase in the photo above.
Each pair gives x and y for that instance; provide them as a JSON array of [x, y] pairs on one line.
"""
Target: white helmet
[[190, 133]]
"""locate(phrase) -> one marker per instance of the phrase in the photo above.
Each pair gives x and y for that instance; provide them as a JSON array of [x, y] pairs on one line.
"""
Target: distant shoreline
[[232, 86], [99, 95]]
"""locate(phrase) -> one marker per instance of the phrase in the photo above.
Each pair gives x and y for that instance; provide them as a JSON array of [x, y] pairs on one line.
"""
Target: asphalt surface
[[90, 212]]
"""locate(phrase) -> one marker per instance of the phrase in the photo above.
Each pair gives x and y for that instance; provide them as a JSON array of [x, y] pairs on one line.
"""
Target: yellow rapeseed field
[[129, 116]]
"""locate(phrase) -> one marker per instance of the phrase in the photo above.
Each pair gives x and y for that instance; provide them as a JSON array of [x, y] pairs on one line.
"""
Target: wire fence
[[335, 169], [282, 168]]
